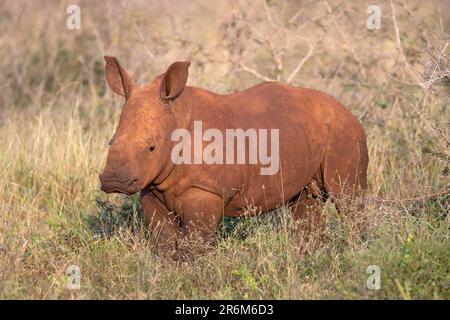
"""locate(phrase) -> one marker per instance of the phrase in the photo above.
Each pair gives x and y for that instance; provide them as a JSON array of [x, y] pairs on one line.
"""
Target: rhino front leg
[[163, 224], [200, 213]]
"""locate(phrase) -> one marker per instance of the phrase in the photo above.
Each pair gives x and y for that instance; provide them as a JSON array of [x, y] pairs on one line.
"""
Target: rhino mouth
[[118, 190], [111, 186]]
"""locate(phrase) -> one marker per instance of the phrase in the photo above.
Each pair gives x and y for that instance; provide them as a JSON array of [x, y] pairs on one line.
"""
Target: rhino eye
[[151, 144]]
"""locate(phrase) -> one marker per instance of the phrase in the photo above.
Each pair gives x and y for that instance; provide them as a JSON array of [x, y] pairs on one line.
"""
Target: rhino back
[[304, 119]]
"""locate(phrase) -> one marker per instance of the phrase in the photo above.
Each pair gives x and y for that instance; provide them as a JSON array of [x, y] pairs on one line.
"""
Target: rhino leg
[[307, 209], [345, 178], [162, 223], [200, 213]]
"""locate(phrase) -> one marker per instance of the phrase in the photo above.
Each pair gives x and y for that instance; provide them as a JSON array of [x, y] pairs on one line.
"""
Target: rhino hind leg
[[345, 179], [307, 208]]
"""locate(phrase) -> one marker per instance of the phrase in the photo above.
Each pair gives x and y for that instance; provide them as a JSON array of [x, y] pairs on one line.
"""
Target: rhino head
[[140, 147]]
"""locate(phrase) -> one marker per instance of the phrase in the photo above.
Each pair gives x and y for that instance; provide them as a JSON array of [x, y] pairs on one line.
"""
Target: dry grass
[[56, 117]]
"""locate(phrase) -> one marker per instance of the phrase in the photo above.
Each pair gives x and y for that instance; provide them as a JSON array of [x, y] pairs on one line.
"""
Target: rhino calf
[[321, 152]]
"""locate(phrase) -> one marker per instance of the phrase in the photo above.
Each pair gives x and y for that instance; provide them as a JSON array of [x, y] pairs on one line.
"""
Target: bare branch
[[399, 45], [301, 63], [295, 16], [344, 37], [139, 33], [254, 72]]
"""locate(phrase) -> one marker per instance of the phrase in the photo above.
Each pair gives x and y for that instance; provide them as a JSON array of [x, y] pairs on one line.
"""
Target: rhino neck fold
[[182, 107]]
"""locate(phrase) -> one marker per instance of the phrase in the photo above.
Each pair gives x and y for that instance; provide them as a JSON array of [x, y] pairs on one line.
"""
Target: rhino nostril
[[134, 181]]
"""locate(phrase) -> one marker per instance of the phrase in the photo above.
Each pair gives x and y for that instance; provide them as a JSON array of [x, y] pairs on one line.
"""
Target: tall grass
[[56, 118]]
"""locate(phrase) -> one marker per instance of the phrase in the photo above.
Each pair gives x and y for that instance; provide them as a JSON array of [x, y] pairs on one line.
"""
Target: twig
[[139, 33], [295, 16], [344, 37], [276, 26], [254, 72], [276, 56], [421, 198], [399, 45], [307, 40], [300, 64]]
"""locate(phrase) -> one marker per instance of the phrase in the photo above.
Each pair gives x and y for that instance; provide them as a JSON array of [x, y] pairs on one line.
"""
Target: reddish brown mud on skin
[[320, 144]]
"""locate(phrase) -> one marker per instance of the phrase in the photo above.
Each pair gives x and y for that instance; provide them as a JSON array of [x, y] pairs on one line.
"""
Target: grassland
[[56, 117]]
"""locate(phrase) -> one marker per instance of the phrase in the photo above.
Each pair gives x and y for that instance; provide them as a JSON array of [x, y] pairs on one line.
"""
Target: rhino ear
[[174, 80], [118, 78]]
